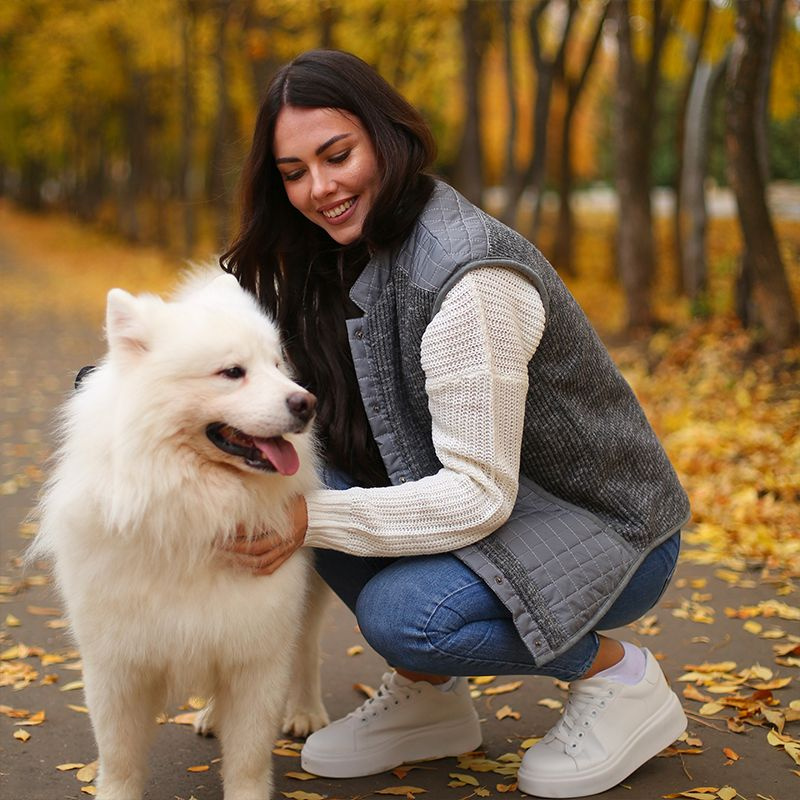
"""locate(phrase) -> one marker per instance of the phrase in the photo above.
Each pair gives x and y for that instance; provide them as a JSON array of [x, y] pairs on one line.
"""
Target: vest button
[[402, 479], [359, 334], [498, 578], [376, 408]]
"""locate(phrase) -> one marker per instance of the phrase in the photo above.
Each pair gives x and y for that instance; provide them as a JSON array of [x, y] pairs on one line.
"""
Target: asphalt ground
[[40, 353]]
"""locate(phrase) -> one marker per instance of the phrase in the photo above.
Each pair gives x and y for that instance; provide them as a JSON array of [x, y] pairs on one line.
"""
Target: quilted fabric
[[596, 492]]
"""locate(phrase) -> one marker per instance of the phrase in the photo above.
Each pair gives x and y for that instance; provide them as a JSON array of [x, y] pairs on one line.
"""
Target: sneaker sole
[[663, 728], [427, 745]]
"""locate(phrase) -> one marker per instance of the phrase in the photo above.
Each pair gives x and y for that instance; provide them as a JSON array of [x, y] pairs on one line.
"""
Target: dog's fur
[[140, 499]]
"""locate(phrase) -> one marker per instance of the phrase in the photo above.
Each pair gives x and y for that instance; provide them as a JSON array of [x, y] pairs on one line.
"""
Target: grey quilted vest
[[597, 491]]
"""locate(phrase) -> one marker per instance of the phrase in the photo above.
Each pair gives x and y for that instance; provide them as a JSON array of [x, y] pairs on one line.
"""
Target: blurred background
[[610, 131]]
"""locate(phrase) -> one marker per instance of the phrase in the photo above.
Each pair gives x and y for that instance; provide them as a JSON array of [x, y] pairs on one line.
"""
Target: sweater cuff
[[330, 514]]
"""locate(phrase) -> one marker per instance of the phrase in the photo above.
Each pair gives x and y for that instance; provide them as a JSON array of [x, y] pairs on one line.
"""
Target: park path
[[42, 345]]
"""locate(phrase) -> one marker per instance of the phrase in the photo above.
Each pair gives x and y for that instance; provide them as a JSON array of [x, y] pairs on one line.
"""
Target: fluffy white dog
[[189, 427]]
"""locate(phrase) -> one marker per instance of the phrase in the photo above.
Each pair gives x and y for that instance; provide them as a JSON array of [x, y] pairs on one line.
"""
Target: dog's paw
[[304, 723], [203, 721]]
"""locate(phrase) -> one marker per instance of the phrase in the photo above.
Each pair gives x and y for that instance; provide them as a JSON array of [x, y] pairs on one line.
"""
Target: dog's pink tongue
[[281, 454]]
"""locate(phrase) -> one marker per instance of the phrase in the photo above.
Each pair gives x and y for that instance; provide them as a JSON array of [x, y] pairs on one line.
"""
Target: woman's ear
[[126, 330]]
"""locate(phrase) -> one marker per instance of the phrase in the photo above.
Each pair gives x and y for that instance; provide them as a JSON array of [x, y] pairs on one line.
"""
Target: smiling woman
[[495, 495]]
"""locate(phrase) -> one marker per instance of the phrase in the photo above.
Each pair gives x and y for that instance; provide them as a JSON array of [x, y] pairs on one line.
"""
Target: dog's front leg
[[305, 710], [123, 704], [247, 709]]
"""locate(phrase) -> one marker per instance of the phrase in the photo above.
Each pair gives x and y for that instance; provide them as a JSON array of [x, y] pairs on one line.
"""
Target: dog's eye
[[234, 373]]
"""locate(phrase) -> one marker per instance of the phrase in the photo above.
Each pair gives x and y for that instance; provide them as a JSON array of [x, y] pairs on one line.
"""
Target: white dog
[[190, 427]]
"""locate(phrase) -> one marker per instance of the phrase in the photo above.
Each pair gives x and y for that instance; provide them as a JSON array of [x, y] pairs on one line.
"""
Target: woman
[[495, 494]]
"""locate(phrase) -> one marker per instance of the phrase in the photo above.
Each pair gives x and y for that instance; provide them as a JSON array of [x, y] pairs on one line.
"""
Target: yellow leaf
[[731, 754], [79, 709], [12, 621], [355, 650], [530, 742], [301, 776], [364, 689], [506, 787], [751, 626], [549, 703], [23, 736], [88, 773], [460, 776], [89, 790], [71, 686], [709, 709], [481, 792], [482, 680], [44, 611], [199, 768], [503, 688], [187, 718], [67, 767], [399, 791], [304, 795], [727, 793], [34, 719], [285, 751]]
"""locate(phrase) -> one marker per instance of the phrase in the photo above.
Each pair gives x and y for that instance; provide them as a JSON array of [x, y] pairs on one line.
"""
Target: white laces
[[584, 706], [388, 694]]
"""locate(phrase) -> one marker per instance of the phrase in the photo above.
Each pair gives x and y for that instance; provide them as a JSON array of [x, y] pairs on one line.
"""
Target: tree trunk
[[636, 117], [762, 265], [185, 187], [691, 203], [218, 168], [469, 164], [532, 178], [694, 49], [565, 236], [507, 11]]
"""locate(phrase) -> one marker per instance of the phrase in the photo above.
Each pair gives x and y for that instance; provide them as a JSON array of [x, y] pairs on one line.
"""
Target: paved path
[[40, 353]]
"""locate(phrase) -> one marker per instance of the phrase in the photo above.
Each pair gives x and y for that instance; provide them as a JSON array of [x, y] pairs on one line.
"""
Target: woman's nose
[[322, 185]]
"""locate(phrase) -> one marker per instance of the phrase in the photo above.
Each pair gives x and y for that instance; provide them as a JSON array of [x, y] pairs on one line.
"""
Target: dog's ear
[[125, 326]]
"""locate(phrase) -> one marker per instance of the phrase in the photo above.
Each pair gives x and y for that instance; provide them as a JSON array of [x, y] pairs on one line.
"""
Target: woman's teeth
[[332, 213]]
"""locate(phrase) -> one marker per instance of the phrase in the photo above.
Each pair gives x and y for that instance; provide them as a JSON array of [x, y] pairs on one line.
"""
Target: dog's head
[[205, 371]]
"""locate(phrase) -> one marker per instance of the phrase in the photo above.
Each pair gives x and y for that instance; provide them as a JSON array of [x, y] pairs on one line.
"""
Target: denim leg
[[433, 614]]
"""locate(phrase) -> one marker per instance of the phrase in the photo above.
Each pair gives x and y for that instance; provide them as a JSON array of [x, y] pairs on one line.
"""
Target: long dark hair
[[300, 275]]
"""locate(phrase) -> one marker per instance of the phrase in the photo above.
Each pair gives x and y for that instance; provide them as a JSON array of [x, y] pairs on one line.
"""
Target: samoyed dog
[[190, 430]]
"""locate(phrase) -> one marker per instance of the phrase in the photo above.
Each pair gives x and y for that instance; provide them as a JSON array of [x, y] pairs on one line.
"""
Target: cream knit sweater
[[475, 354]]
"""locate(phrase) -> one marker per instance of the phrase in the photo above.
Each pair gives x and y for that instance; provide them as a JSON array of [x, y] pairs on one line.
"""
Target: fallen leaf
[[731, 754], [355, 650], [199, 768], [304, 795], [23, 736], [503, 688], [399, 791], [548, 703], [301, 776], [364, 689], [469, 779], [506, 712]]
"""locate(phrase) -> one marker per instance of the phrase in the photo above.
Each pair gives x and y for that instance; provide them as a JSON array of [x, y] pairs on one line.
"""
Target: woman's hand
[[264, 554]]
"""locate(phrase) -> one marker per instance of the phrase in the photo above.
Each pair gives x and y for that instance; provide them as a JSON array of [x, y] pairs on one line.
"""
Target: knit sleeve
[[475, 354]]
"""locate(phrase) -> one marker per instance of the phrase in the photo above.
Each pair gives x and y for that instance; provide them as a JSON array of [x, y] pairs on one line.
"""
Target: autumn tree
[[763, 273], [574, 82], [637, 88]]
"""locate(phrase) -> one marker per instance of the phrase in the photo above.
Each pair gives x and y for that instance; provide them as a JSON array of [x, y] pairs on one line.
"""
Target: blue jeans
[[433, 614]]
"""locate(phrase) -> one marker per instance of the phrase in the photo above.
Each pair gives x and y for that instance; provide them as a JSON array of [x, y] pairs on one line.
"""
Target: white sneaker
[[607, 731], [404, 721]]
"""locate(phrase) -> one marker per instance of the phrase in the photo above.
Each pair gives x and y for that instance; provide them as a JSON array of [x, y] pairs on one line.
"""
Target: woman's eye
[[293, 176], [339, 157], [233, 373]]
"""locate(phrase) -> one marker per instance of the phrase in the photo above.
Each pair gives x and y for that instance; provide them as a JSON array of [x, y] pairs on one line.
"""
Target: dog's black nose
[[302, 405]]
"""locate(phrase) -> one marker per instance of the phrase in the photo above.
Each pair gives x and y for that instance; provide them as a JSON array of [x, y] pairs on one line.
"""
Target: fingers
[[260, 556]]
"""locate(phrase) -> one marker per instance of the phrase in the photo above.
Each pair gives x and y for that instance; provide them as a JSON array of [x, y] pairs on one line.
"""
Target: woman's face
[[329, 168]]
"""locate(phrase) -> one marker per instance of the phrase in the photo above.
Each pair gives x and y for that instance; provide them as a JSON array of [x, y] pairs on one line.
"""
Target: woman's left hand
[[265, 553]]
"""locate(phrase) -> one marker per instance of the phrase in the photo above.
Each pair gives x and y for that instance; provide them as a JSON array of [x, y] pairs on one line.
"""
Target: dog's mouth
[[273, 454]]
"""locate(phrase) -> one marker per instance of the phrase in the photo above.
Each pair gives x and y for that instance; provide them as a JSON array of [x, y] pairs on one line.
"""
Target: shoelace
[[583, 707], [388, 691]]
